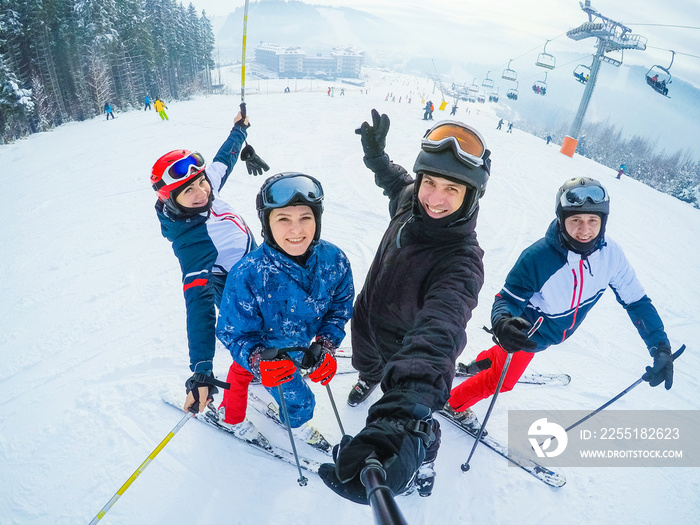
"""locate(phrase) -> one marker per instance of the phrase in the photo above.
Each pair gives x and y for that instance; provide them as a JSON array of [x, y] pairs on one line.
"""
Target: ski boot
[[360, 392], [305, 432], [244, 430], [425, 480], [467, 419]]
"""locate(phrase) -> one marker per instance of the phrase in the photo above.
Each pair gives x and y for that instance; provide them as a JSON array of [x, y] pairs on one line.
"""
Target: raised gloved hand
[[255, 165], [662, 369], [273, 367], [374, 137], [241, 121], [322, 363], [511, 334], [201, 388]]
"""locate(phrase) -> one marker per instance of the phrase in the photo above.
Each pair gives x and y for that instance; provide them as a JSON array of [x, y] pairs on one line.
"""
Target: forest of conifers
[[61, 60]]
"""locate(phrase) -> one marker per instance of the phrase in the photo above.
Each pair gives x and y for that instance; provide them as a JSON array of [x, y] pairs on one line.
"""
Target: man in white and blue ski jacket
[[208, 238], [558, 279]]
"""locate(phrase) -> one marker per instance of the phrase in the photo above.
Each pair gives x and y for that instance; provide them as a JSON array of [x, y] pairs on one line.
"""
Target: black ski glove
[[374, 137], [662, 369], [511, 334], [398, 444], [255, 165], [198, 380]]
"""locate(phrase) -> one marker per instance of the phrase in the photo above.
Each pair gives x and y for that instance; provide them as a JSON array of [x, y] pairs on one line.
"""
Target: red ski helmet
[[174, 170]]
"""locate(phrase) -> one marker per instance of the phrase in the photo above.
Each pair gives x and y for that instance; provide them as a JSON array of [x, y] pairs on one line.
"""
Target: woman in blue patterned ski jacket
[[208, 236], [293, 289], [559, 279]]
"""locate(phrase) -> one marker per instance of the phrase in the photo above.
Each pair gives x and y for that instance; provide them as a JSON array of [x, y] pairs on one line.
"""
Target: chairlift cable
[[664, 25], [676, 52]]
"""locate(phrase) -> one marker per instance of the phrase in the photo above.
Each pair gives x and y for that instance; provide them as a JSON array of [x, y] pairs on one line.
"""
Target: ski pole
[[315, 356], [675, 355], [143, 466], [335, 409], [465, 466], [245, 31], [302, 480], [379, 496]]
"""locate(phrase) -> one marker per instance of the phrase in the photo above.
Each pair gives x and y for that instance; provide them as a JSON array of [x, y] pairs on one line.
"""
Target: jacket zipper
[[575, 303]]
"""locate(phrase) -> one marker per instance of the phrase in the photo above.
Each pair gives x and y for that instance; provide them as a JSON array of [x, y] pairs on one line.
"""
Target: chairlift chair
[[512, 94], [481, 99], [540, 86], [546, 60], [487, 82], [581, 73], [509, 74], [659, 77], [493, 97], [474, 88]]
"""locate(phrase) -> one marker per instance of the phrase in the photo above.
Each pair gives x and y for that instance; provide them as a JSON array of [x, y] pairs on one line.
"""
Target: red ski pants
[[236, 399], [483, 384]]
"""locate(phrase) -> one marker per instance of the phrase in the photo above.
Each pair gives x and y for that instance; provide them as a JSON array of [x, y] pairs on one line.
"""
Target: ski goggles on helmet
[[578, 196], [286, 190], [466, 143], [184, 168]]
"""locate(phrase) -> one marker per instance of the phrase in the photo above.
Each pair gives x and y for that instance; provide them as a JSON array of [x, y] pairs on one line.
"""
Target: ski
[[545, 475], [462, 370], [271, 450], [271, 411]]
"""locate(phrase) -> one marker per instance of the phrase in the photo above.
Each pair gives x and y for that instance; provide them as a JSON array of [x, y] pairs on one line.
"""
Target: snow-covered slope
[[92, 325]]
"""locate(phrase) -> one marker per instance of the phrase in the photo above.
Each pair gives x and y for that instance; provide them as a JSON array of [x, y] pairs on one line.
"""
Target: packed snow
[[92, 321]]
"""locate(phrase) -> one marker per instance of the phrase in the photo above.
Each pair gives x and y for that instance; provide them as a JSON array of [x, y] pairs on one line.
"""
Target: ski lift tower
[[612, 36]]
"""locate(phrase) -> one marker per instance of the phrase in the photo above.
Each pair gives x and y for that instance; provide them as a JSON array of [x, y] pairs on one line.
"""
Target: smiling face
[[196, 194], [293, 228], [583, 227], [440, 197]]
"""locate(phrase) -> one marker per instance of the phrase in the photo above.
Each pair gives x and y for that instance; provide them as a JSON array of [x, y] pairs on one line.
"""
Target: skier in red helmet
[[208, 238]]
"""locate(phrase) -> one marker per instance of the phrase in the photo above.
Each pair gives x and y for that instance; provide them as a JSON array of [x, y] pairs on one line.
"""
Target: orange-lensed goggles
[[467, 143]]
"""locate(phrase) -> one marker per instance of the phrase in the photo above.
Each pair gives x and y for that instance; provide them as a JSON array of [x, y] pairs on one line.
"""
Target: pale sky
[[493, 32]]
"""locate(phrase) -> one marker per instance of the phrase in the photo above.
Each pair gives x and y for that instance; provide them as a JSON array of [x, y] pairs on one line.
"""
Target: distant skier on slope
[[295, 290], [160, 108], [208, 238], [108, 109], [560, 278], [408, 325], [428, 113]]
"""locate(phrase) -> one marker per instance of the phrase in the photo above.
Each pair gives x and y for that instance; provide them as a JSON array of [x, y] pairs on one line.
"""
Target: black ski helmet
[[447, 156], [582, 195], [289, 189]]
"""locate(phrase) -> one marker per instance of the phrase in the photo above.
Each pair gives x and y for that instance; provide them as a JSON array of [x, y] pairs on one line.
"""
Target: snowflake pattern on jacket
[[273, 301]]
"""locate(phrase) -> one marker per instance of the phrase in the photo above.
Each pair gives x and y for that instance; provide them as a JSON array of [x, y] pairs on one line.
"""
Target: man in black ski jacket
[[409, 320]]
